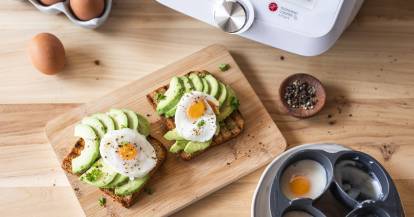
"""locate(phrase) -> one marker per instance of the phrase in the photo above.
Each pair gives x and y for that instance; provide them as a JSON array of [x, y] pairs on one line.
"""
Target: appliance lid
[[311, 18]]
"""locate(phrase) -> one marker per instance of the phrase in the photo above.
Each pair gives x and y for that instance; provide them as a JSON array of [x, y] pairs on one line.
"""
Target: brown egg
[[87, 9], [50, 2], [47, 53]]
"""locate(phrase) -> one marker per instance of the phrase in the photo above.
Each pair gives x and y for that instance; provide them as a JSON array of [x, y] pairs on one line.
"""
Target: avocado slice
[[87, 157], [144, 127], [223, 94], [218, 128], [99, 174], [196, 80], [131, 186], [105, 120], [171, 112], [85, 131], [120, 118], [188, 86], [172, 96], [95, 124], [193, 147], [132, 119], [173, 135], [206, 86], [178, 146], [118, 180], [214, 85], [229, 105]]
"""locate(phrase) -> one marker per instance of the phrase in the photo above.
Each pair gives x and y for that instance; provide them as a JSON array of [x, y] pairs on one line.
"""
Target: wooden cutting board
[[178, 183]]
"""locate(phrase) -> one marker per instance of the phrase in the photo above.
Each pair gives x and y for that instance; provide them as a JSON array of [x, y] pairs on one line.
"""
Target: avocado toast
[[229, 120], [115, 153]]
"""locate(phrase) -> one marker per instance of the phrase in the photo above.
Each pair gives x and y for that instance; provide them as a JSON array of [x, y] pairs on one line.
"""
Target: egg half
[[128, 153], [195, 118], [303, 179]]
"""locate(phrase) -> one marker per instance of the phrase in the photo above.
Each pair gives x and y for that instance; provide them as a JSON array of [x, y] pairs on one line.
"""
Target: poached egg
[[128, 153], [195, 118]]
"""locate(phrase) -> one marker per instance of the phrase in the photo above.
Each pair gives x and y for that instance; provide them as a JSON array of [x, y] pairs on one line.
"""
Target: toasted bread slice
[[129, 200], [231, 127]]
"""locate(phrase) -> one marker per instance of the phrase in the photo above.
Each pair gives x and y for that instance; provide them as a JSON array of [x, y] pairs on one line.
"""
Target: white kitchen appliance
[[305, 27]]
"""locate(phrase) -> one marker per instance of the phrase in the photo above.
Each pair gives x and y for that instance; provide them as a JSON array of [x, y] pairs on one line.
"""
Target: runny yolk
[[127, 151], [299, 185], [196, 109]]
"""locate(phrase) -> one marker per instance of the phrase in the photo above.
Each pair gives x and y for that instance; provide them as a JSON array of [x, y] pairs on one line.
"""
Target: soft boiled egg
[[303, 179], [195, 118], [128, 153]]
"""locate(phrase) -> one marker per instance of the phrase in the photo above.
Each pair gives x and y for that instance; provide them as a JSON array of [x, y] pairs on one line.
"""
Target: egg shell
[[87, 9], [47, 53], [50, 2]]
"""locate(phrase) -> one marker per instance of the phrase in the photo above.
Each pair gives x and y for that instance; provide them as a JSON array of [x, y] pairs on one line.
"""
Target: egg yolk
[[127, 151], [299, 185], [196, 109]]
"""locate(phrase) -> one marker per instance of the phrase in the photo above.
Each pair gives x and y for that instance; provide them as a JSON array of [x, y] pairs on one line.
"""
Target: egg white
[[315, 173], [138, 167], [189, 128]]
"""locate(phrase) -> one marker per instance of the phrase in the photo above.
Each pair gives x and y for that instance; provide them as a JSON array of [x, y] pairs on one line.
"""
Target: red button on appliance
[[273, 6]]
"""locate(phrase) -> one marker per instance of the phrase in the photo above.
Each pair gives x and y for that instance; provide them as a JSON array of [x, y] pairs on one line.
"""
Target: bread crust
[[125, 201], [231, 127]]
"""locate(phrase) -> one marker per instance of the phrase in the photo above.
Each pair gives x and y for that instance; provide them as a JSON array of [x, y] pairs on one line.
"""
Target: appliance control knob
[[231, 16]]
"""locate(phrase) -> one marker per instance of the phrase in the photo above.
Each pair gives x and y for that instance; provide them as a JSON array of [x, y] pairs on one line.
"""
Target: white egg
[[297, 214], [195, 118], [303, 179], [128, 153]]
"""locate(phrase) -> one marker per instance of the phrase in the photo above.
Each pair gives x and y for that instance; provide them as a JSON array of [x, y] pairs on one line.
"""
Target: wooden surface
[[369, 74], [178, 183]]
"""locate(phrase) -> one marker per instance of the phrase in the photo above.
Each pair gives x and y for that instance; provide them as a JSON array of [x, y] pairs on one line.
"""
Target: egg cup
[[340, 196], [63, 7]]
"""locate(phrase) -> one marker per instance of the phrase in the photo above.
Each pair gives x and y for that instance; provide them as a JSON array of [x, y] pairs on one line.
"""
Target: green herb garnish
[[201, 123], [93, 175], [224, 67], [149, 191], [102, 201], [159, 97], [234, 103]]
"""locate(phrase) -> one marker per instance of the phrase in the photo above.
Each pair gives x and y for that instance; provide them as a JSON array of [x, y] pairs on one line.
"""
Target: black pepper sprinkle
[[300, 94]]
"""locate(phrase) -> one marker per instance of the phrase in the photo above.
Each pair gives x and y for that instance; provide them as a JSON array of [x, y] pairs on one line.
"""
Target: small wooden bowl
[[320, 95]]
